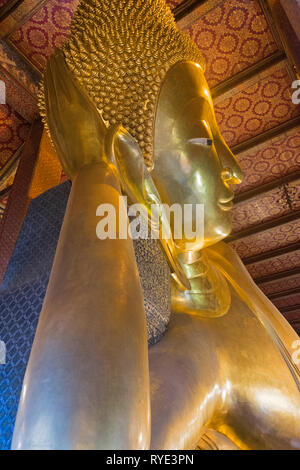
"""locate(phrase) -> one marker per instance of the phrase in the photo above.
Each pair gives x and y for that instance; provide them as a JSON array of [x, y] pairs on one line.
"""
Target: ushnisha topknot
[[120, 51]]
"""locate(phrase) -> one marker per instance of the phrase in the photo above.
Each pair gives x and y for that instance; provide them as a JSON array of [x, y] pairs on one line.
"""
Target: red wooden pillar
[[18, 201]]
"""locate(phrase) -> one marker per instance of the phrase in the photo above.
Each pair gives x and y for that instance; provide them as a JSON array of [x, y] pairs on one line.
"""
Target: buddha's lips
[[226, 206]]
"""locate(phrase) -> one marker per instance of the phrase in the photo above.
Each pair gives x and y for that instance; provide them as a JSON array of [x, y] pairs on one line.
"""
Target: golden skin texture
[[231, 374]]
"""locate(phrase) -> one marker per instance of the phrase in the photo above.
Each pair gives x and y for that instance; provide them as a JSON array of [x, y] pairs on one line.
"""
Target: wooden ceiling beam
[[265, 136], [278, 276], [262, 227], [290, 308], [250, 72], [8, 8], [271, 254], [16, 24], [271, 23], [284, 294], [188, 6], [264, 188], [5, 192]]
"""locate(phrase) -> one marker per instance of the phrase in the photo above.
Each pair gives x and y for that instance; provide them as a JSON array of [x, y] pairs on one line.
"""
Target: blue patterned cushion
[[23, 289]]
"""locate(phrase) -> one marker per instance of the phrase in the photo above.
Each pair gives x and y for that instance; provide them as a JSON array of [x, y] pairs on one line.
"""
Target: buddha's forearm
[[87, 382], [186, 383]]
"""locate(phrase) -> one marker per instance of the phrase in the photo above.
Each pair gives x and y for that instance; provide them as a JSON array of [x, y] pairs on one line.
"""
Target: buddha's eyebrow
[[201, 141]]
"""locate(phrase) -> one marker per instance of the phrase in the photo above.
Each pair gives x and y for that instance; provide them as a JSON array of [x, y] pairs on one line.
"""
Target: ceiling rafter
[[24, 58], [186, 7], [284, 294], [278, 276], [291, 308], [250, 72], [271, 23], [8, 8], [17, 24], [271, 254], [268, 135], [247, 196], [295, 322], [262, 227]]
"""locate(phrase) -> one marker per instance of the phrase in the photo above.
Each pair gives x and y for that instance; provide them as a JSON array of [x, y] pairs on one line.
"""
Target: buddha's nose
[[232, 170]]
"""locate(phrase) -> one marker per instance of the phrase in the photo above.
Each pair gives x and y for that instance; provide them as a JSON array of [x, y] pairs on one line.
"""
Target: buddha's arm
[[234, 270], [186, 383], [87, 381]]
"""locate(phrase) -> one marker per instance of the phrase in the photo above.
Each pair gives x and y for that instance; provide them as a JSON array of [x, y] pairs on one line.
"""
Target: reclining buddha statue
[[129, 112]]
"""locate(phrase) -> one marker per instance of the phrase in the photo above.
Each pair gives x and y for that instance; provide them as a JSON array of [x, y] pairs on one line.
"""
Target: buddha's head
[[144, 74], [192, 163]]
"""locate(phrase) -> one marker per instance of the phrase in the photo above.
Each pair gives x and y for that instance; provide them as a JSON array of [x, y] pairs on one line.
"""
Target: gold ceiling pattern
[[232, 36], [271, 160], [272, 239], [257, 107], [271, 266], [45, 31], [241, 46]]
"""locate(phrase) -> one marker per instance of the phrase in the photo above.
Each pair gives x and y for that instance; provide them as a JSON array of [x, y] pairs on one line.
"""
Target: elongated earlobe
[[136, 181], [124, 152]]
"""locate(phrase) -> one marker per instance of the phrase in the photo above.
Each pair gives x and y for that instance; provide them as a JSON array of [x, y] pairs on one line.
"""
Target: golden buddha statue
[[129, 88]]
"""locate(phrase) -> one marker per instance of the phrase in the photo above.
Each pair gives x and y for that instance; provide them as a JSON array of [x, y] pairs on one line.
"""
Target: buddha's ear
[[136, 182], [123, 150]]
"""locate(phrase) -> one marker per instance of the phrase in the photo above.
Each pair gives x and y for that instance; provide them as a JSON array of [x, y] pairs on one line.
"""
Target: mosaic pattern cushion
[[23, 289]]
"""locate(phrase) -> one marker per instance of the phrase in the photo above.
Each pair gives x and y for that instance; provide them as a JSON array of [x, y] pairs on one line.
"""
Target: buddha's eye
[[227, 174], [203, 141]]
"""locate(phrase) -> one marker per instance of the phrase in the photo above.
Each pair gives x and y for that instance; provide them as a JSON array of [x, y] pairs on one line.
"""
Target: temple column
[[18, 201]]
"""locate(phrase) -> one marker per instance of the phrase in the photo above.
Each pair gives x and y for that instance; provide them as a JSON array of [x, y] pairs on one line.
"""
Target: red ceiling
[[47, 29], [270, 205], [275, 265], [232, 36], [273, 239], [270, 161], [257, 107]]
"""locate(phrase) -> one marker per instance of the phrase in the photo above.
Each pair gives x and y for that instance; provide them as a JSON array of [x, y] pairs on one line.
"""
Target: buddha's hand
[[76, 127]]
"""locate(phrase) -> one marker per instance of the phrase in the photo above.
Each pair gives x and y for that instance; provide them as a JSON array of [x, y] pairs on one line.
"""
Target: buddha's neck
[[209, 290]]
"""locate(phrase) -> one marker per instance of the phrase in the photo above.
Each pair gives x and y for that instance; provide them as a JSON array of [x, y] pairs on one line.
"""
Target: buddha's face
[[193, 164]]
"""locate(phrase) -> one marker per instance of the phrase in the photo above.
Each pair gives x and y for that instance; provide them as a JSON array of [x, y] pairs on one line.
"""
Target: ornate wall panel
[[18, 98], [18, 69], [13, 132]]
